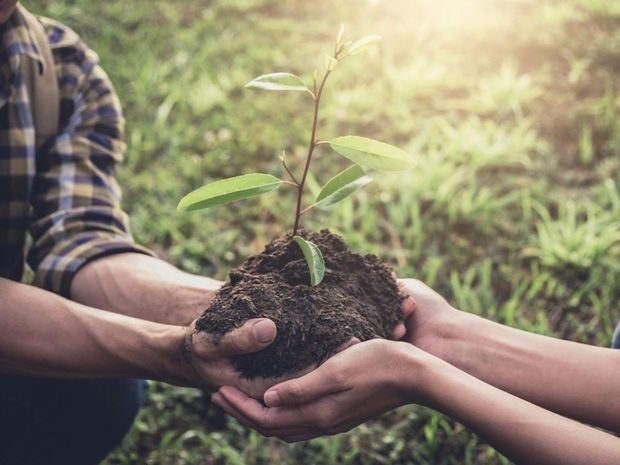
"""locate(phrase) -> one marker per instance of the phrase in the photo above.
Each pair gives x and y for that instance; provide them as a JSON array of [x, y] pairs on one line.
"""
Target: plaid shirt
[[66, 195]]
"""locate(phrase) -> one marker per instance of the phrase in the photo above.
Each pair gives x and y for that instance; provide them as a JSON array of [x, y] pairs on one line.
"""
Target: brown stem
[[313, 143]]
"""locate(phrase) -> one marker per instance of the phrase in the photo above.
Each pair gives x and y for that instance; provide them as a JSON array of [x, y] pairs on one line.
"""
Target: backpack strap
[[41, 82]]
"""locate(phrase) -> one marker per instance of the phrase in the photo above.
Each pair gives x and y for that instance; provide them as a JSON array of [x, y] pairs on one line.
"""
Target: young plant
[[366, 154]]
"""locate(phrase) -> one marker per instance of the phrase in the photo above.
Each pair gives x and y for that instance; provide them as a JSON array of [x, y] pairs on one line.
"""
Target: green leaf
[[372, 154], [342, 185], [314, 259], [362, 44], [278, 81], [228, 190]]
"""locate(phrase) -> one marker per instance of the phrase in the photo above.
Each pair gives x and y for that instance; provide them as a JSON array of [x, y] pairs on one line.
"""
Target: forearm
[[575, 380], [45, 335], [143, 287], [522, 431]]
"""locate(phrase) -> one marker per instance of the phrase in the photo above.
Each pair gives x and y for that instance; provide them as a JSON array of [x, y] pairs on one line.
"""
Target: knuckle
[[336, 377], [324, 422], [297, 393], [237, 341], [264, 422]]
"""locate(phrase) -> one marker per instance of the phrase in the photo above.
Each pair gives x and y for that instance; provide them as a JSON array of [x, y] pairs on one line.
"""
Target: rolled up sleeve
[[76, 200]]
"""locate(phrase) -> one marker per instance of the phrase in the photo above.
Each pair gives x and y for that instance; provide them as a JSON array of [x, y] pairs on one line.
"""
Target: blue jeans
[[64, 422], [616, 339]]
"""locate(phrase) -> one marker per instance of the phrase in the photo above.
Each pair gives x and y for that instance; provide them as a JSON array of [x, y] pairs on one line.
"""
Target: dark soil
[[358, 297]]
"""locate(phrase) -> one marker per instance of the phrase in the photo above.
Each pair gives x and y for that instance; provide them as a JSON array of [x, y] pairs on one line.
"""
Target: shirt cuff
[[59, 267]]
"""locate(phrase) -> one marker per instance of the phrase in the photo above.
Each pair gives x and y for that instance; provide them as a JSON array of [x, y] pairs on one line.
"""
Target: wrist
[[433, 373], [191, 297], [173, 365], [445, 335], [413, 375]]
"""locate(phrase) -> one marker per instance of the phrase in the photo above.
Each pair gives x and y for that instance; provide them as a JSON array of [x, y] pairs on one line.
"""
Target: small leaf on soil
[[372, 154], [228, 190], [278, 81], [314, 259], [342, 185]]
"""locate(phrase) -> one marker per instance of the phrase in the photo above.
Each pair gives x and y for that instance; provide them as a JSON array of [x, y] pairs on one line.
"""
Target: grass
[[510, 106]]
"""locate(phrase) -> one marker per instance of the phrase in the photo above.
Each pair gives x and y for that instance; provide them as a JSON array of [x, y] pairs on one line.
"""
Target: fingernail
[[272, 398], [264, 331]]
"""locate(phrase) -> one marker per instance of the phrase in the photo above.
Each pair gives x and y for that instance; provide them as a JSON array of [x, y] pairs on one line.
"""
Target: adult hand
[[427, 325], [210, 359], [256, 387], [357, 384]]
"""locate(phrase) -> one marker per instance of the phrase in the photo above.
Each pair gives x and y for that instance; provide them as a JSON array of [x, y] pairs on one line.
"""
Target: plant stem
[[290, 173], [312, 146]]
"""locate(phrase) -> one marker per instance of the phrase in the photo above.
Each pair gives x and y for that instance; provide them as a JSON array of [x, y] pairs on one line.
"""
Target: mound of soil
[[358, 297]]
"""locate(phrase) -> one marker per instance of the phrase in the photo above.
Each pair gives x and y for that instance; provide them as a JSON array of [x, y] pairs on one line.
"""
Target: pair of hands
[[359, 383], [210, 360]]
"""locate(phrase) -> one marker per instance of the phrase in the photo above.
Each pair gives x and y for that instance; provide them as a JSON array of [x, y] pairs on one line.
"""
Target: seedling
[[366, 154]]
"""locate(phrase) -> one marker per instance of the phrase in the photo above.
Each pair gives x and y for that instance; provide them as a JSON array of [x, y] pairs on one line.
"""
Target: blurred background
[[513, 212]]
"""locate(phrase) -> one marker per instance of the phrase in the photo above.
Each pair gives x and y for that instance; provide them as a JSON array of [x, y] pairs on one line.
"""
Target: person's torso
[[18, 154]]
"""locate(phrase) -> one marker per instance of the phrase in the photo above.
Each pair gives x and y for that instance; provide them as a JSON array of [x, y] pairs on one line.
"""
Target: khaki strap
[[41, 82]]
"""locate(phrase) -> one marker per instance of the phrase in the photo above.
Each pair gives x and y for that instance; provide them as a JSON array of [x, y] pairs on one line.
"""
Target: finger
[[407, 306], [343, 427], [276, 431], [220, 401], [243, 405], [280, 432], [254, 335], [299, 391], [265, 418], [299, 437], [399, 332]]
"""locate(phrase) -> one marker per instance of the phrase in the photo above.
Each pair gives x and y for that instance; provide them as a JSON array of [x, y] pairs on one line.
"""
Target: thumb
[[254, 335], [298, 391]]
